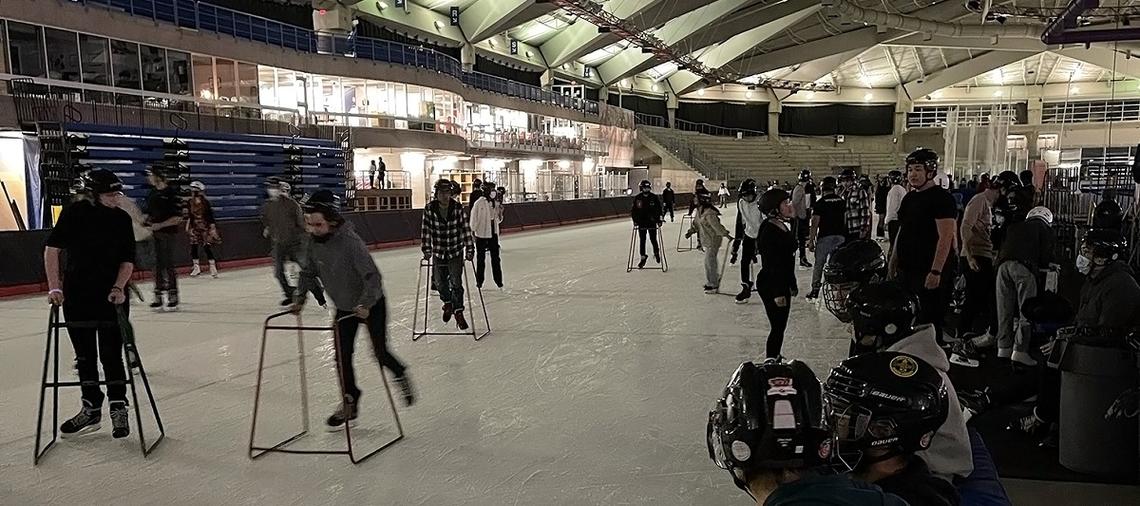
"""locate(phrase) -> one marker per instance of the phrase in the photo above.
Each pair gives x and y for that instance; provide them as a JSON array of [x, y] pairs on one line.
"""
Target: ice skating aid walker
[[663, 266], [418, 331]]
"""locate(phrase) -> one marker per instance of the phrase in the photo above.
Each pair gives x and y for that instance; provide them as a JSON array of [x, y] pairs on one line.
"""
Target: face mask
[[1084, 264], [273, 193]]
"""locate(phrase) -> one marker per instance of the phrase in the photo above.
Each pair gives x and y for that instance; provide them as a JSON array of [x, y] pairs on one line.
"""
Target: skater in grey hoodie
[[884, 317]]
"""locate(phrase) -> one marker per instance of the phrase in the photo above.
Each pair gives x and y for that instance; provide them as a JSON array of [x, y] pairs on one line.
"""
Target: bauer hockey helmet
[[885, 401], [882, 313], [770, 416], [852, 264], [1105, 244], [100, 181], [805, 175], [645, 185], [198, 186], [829, 184], [925, 157], [895, 176], [747, 187], [770, 201]]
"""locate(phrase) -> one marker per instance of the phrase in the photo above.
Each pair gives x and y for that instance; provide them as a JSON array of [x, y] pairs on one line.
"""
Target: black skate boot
[[344, 414], [641, 264], [157, 304], [804, 262], [404, 383], [657, 256], [745, 293], [974, 403], [86, 422], [447, 312], [172, 300], [120, 426], [460, 321], [813, 294]]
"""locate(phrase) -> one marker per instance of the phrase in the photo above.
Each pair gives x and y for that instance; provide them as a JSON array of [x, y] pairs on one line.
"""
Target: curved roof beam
[[1103, 58], [963, 71], [580, 39], [485, 18]]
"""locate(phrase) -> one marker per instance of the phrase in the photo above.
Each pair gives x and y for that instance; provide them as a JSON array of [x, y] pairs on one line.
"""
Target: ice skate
[[813, 294], [745, 293], [213, 269], [460, 321], [287, 301], [657, 256], [641, 264], [85, 422], [965, 354], [196, 270], [711, 289], [157, 304], [404, 383], [172, 301], [132, 357], [447, 312], [120, 424], [345, 414]]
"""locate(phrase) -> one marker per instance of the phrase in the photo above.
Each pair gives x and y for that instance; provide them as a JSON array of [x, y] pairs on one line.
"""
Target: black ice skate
[[745, 293], [120, 427], [447, 312], [657, 256], [157, 304], [172, 301], [460, 321], [404, 383], [641, 264], [813, 294], [346, 413], [86, 422]]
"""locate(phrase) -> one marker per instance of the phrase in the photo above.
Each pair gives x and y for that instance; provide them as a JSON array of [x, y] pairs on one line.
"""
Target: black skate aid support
[[418, 331], [130, 349], [256, 451], [663, 266]]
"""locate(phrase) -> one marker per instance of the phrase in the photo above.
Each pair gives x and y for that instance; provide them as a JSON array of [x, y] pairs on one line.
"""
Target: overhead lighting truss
[[606, 22]]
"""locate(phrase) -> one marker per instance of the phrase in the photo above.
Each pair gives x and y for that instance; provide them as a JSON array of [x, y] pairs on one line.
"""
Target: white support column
[[671, 104], [774, 109], [903, 105], [467, 56]]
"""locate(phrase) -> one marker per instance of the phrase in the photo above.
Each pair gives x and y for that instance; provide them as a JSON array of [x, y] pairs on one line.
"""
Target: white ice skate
[[213, 269], [196, 270]]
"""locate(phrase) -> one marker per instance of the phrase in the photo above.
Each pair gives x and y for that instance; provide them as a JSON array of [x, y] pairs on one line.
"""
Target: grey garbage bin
[[1092, 377]]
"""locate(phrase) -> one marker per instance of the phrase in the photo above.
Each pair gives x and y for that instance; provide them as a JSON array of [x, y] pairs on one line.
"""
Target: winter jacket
[[668, 196], [831, 490], [916, 485], [284, 220], [349, 275], [708, 228], [801, 201], [748, 220], [646, 212], [1029, 242], [1110, 297], [976, 223], [486, 215], [949, 454]]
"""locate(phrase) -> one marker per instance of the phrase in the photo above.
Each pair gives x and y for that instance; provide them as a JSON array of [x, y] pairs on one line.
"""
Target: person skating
[[668, 199], [486, 215], [885, 409], [446, 241], [801, 201], [698, 189], [707, 226], [1027, 248], [284, 226], [163, 216], [723, 194], [646, 214], [884, 317], [768, 430], [476, 193], [858, 202], [893, 201], [776, 281], [828, 230], [748, 221], [202, 229], [100, 246], [341, 259]]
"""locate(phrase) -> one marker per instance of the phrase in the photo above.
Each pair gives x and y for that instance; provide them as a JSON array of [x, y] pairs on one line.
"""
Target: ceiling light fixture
[[701, 92], [748, 94], [868, 97]]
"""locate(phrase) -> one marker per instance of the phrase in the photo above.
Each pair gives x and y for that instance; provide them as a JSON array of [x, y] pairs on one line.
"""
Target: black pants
[[668, 209], [980, 303], [482, 246], [165, 277], [881, 230], [97, 345], [205, 248], [893, 231], [777, 321], [1049, 395], [747, 254], [377, 323], [800, 228], [932, 303], [641, 233]]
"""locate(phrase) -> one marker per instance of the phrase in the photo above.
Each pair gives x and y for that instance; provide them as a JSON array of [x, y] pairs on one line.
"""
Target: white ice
[[593, 388]]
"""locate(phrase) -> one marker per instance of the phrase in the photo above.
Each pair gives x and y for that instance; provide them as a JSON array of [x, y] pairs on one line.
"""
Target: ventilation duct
[[913, 24]]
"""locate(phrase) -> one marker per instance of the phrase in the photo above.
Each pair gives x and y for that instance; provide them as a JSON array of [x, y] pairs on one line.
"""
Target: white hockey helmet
[[198, 185], [1041, 212]]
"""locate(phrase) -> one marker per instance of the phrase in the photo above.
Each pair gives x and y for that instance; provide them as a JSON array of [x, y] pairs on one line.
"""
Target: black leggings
[[641, 233], [206, 247], [778, 321], [748, 245], [377, 323]]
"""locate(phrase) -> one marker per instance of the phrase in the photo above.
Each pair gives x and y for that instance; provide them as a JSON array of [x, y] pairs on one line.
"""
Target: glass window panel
[[62, 54], [203, 75], [178, 68], [290, 91], [96, 55], [247, 82], [227, 80], [125, 64], [26, 50], [153, 68]]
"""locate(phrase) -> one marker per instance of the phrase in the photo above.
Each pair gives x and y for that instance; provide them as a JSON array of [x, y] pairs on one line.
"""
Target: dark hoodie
[[342, 262], [833, 490], [646, 210], [918, 487], [1110, 298], [1029, 242]]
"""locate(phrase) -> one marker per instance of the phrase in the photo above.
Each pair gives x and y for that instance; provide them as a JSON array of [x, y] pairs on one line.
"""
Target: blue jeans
[[448, 276], [824, 246]]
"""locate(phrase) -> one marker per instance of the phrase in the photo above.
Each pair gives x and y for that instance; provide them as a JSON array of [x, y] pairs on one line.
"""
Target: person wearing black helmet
[[768, 430], [884, 317], [100, 246], [340, 258], [723, 194], [1107, 214], [893, 201], [885, 409], [486, 217], [163, 216], [445, 239], [1027, 249], [710, 232], [1010, 206], [697, 191], [647, 216], [668, 199], [776, 281], [828, 230], [858, 205], [853, 264], [283, 224], [748, 221], [923, 257], [978, 253], [801, 201]]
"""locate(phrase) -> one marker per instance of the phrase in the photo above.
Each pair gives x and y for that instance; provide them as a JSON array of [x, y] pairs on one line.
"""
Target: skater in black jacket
[[668, 198], [646, 214]]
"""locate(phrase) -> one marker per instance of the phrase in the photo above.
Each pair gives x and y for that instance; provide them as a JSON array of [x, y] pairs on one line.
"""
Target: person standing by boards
[[486, 216], [668, 199], [202, 229], [164, 215]]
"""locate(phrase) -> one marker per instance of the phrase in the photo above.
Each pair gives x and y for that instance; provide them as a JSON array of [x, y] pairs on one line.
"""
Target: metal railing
[[206, 17], [687, 153], [716, 130], [649, 120]]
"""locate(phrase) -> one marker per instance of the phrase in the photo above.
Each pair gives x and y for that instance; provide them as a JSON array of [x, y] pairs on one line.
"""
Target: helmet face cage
[[835, 299]]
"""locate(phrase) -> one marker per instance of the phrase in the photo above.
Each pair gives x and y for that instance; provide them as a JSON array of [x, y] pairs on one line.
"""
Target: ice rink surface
[[593, 388]]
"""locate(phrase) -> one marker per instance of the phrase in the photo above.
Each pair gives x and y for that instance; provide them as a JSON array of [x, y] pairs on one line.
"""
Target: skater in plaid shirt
[[445, 238]]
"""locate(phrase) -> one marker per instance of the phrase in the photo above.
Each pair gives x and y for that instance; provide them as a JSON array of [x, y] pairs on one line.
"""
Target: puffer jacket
[[1110, 298], [708, 228]]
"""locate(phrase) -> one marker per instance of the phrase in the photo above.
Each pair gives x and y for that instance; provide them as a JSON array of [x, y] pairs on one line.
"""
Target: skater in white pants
[[710, 231]]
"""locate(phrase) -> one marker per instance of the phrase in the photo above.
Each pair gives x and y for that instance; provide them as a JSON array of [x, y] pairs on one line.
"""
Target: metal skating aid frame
[[681, 235], [259, 451], [130, 350], [426, 266], [663, 266]]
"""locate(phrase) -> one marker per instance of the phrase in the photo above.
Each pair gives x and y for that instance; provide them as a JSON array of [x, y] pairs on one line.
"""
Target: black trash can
[[1092, 377]]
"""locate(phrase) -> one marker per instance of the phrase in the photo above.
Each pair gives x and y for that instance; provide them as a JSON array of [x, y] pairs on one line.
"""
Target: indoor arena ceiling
[[800, 40]]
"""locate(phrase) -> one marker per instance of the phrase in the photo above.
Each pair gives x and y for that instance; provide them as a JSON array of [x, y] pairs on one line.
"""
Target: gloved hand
[[795, 290], [732, 259]]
